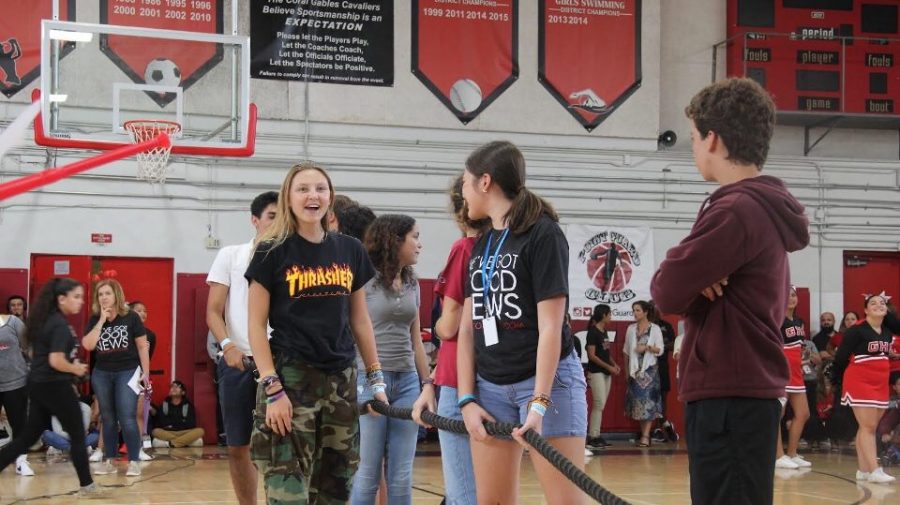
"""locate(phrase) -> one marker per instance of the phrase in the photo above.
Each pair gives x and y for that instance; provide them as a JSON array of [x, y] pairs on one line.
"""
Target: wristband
[[538, 408], [427, 380], [375, 377], [274, 398], [268, 380], [378, 387], [465, 400], [225, 341]]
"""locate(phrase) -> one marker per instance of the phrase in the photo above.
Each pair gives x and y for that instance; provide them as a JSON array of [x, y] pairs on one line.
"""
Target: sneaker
[[197, 443], [861, 475], [786, 463], [93, 490], [106, 467], [23, 468], [879, 477], [160, 443], [800, 462], [52, 452], [134, 469], [143, 456], [146, 443], [659, 436], [588, 453], [96, 456], [594, 443]]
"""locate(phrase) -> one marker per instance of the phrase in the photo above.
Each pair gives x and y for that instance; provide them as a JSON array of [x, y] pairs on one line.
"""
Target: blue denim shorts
[[567, 417]]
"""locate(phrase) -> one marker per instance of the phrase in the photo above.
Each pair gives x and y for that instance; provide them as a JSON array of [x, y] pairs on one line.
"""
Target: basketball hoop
[[152, 163]]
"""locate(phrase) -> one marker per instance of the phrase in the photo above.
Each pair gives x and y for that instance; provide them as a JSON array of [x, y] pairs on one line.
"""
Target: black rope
[[540, 444]]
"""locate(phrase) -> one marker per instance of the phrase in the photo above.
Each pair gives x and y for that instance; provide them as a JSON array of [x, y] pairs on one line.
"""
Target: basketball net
[[152, 164]]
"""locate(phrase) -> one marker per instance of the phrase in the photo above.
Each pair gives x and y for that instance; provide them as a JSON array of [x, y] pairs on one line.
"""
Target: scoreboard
[[837, 56]]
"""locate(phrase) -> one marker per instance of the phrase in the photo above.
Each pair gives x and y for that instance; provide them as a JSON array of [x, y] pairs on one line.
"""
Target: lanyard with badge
[[488, 267]]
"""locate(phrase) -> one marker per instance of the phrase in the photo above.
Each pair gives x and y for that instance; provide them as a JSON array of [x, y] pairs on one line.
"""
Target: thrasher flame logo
[[303, 281]]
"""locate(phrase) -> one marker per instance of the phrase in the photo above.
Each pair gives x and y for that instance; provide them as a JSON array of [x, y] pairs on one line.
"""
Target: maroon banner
[[20, 41], [590, 55], [163, 62], [467, 55]]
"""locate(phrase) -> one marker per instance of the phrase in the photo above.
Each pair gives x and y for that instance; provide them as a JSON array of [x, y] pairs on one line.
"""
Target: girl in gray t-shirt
[[13, 376], [392, 298]]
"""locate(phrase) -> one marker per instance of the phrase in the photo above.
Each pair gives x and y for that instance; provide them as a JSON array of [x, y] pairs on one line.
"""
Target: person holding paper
[[118, 337]]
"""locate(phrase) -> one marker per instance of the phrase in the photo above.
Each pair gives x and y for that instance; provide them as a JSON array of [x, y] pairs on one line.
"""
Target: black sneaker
[[603, 443], [596, 443]]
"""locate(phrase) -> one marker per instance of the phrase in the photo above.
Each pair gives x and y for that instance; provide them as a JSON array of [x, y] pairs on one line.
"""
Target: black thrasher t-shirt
[[56, 336], [531, 267], [116, 349], [309, 287]]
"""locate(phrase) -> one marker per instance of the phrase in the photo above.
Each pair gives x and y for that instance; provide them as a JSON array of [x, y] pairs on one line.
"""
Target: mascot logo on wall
[[609, 259]]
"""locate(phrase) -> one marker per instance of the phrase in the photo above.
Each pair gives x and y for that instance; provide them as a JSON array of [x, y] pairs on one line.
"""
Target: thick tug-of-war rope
[[566, 467]]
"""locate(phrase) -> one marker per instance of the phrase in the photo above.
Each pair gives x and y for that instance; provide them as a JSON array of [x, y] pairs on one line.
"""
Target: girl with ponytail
[[512, 332], [53, 368]]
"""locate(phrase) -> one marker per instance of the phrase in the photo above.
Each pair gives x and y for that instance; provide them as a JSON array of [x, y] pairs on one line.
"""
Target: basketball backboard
[[115, 74]]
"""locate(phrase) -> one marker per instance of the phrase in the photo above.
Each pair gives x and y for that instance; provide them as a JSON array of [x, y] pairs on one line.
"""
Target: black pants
[[57, 399], [16, 404], [731, 450]]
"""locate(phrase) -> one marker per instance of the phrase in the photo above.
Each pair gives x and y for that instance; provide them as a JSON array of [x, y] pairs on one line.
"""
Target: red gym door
[[869, 272], [149, 280]]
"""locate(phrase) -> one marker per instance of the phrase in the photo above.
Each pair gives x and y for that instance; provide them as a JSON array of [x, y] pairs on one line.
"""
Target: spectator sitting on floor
[[176, 420], [58, 439]]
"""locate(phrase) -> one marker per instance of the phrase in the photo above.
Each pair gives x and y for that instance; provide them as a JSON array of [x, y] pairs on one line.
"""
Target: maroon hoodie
[[732, 346]]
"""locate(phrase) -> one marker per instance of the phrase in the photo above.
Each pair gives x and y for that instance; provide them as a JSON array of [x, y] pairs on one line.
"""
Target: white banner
[[610, 265]]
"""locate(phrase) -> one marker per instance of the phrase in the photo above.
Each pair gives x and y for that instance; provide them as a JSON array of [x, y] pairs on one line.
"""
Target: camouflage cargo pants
[[316, 461]]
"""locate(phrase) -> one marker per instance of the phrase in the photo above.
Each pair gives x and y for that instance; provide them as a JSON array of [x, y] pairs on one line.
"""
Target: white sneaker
[[96, 456], [105, 468], [146, 443], [861, 475], [143, 456], [134, 469], [197, 443], [786, 463], [800, 462], [93, 490], [160, 443], [588, 453], [879, 477], [23, 468], [53, 451]]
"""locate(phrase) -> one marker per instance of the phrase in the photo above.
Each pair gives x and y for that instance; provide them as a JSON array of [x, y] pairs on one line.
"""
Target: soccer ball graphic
[[162, 72]]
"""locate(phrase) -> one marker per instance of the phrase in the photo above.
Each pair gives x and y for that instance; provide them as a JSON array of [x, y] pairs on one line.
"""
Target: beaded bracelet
[[274, 398], [268, 380], [374, 377], [373, 367], [542, 399]]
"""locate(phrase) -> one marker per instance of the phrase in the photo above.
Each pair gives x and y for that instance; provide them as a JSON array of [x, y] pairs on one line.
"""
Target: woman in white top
[[643, 344]]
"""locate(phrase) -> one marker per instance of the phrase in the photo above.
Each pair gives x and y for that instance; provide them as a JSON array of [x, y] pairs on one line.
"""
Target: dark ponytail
[[505, 164], [46, 304]]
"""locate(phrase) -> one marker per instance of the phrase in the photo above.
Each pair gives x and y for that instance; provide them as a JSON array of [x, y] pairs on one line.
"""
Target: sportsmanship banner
[[162, 62], [465, 52], [589, 55], [608, 265], [323, 41], [20, 41]]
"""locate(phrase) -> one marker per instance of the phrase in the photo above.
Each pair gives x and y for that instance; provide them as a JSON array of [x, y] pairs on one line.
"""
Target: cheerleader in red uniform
[[793, 332], [863, 359]]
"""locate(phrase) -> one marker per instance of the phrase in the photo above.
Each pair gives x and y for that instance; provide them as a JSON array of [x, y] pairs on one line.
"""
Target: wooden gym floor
[[658, 476]]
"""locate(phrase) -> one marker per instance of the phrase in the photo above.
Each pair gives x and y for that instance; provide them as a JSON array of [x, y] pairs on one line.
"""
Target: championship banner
[[609, 265], [466, 53], [589, 55], [164, 62], [20, 41], [323, 41]]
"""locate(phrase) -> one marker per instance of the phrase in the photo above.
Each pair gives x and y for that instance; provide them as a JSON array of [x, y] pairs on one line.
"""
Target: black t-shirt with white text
[[309, 287], [793, 331], [600, 341], [55, 336], [116, 349], [531, 267]]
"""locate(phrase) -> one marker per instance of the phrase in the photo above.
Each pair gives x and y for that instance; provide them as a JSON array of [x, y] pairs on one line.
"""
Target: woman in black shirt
[[53, 367], [512, 329], [863, 360], [600, 368], [117, 336], [308, 284]]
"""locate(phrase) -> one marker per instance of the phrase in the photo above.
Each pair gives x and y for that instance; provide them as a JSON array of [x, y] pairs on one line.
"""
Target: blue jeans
[[567, 417], [55, 440], [456, 456], [385, 440], [118, 409]]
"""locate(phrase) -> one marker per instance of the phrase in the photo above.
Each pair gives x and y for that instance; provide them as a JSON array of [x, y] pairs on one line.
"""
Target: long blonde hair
[[285, 223], [121, 307]]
